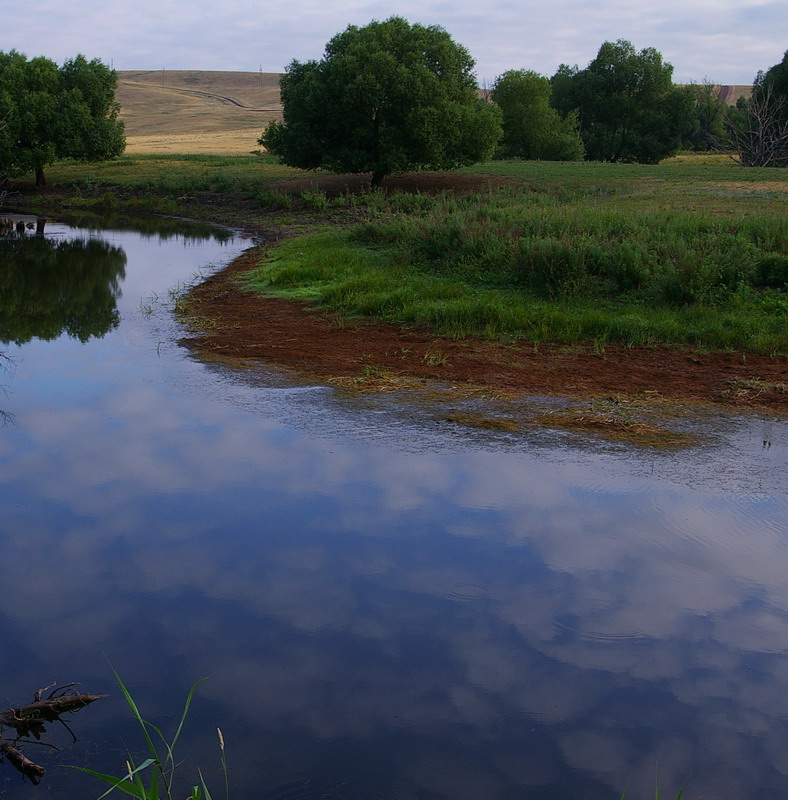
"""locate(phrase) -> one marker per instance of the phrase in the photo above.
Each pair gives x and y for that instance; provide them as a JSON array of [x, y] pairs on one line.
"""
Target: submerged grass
[[617, 429]]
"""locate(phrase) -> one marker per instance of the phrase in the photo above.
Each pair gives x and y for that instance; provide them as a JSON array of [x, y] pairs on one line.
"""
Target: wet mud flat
[[241, 324]]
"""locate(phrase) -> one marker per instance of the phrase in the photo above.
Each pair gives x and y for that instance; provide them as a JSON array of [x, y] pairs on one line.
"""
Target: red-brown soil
[[325, 345]]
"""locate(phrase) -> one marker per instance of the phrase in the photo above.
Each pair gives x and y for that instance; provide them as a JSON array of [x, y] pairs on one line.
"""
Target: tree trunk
[[41, 181], [377, 178]]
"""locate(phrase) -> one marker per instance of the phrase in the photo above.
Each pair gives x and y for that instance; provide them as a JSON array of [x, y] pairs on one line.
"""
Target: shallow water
[[388, 606]]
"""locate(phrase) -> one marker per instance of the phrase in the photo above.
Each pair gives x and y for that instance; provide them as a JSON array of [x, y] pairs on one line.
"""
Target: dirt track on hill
[[324, 345]]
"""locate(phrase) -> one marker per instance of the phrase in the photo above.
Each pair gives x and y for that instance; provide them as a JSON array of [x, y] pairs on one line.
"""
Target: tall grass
[[472, 283], [555, 249], [153, 778]]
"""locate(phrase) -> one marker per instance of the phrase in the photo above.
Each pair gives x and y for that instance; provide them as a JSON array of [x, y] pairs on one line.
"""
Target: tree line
[[391, 96]]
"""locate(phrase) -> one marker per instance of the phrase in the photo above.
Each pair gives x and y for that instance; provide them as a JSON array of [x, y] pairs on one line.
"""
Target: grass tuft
[[160, 766]]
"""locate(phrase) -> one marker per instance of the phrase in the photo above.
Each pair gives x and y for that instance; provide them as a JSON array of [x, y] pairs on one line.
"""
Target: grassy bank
[[331, 269], [612, 256], [693, 252]]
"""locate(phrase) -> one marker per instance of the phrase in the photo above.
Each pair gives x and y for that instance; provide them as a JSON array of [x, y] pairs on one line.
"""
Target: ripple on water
[[591, 625], [598, 635], [468, 591], [323, 789]]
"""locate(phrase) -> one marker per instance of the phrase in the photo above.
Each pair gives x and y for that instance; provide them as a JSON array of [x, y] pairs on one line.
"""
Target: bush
[[772, 272]]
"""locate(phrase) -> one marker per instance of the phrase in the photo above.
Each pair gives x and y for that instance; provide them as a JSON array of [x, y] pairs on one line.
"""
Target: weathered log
[[30, 719], [27, 767]]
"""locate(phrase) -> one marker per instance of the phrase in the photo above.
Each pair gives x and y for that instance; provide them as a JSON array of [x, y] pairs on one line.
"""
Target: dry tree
[[759, 136]]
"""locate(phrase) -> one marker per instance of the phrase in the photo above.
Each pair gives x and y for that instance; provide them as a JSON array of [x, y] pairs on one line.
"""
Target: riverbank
[[417, 221], [367, 355]]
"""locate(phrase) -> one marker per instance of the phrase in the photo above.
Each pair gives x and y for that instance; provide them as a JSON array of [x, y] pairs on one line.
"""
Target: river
[[384, 606]]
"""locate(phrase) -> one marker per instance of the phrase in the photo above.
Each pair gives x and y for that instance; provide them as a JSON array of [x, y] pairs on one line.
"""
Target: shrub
[[772, 272]]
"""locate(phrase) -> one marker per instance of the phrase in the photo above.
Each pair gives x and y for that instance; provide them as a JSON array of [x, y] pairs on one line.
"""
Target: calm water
[[387, 606]]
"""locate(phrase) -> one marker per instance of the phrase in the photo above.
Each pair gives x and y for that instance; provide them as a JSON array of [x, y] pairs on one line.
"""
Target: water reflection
[[155, 227], [51, 287], [384, 612]]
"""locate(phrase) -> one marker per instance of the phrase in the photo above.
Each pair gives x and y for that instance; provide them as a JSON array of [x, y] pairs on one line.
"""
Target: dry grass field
[[188, 111], [222, 113], [730, 94]]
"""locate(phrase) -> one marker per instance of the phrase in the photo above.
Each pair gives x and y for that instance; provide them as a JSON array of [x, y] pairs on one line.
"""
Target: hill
[[192, 111], [198, 111]]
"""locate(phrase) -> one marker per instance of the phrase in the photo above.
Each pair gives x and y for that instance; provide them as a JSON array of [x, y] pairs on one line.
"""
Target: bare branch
[[761, 138]]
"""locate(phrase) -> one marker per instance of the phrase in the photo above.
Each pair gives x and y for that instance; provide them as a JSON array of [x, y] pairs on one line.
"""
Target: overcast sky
[[725, 40]]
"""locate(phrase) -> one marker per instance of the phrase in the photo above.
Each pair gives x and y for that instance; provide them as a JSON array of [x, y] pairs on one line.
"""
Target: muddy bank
[[326, 345]]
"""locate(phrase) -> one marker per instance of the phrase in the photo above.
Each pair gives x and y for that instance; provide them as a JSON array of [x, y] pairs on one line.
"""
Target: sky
[[726, 41]]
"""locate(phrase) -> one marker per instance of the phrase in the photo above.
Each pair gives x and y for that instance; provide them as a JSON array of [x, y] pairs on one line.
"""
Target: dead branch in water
[[32, 720], [27, 767]]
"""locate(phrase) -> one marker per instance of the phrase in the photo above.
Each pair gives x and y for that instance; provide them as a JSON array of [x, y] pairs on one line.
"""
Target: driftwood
[[32, 719], [27, 767]]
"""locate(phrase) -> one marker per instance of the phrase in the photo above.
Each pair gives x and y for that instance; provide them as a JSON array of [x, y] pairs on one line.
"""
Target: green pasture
[[691, 252]]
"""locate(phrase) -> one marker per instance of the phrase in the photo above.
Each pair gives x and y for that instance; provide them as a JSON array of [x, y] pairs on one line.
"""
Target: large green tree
[[774, 83], [385, 98], [532, 128], [49, 113], [629, 108]]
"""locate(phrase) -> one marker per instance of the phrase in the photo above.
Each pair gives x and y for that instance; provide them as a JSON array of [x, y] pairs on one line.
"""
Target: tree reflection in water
[[50, 287]]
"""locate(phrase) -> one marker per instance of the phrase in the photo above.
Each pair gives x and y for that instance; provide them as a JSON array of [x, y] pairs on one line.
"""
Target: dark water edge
[[387, 606]]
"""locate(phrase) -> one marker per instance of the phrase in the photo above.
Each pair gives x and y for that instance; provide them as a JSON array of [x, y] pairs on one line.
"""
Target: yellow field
[[187, 111], [221, 143], [196, 111]]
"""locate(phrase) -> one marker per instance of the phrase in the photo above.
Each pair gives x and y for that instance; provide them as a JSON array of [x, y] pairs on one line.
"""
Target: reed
[[153, 778]]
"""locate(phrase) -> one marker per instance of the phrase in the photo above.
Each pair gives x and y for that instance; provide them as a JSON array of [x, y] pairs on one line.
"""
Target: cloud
[[727, 41]]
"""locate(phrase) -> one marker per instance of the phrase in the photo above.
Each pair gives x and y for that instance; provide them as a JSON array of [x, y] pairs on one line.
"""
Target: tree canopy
[[49, 113], [532, 129], [385, 98], [629, 108], [711, 114], [774, 82]]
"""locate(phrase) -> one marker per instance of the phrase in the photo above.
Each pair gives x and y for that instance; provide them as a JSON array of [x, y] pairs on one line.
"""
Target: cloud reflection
[[480, 620]]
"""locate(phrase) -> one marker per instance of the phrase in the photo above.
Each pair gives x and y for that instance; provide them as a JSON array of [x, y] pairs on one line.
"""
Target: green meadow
[[690, 253]]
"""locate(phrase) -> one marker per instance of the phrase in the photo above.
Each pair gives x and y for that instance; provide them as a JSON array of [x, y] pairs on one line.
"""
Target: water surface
[[387, 606]]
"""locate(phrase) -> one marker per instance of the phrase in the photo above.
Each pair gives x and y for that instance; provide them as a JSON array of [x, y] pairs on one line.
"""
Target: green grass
[[692, 252], [470, 290], [175, 174], [154, 777]]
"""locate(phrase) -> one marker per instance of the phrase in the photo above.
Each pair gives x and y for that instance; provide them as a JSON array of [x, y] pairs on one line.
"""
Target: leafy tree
[[49, 113], [629, 108], [774, 83], [384, 98], [531, 127], [711, 113]]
